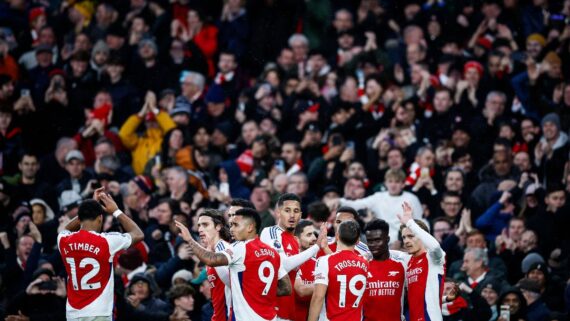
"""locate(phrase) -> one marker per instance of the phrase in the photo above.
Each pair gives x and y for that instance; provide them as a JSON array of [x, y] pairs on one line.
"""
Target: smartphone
[[424, 172], [24, 92], [506, 312], [50, 285], [280, 165], [350, 144], [157, 161]]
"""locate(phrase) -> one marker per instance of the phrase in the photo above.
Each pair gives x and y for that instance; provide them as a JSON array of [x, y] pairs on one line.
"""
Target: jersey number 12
[[85, 285]]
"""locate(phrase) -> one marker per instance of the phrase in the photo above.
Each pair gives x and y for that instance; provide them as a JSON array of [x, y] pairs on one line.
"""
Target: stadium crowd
[[460, 108]]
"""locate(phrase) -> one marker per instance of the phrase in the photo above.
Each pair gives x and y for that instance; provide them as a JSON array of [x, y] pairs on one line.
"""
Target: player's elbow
[[137, 236], [284, 286]]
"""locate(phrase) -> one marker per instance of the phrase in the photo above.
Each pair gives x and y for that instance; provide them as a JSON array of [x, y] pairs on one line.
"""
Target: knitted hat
[[35, 13], [131, 259], [473, 64], [553, 118], [144, 183], [492, 283], [85, 8], [553, 59], [182, 274], [529, 260], [74, 154], [538, 38], [215, 95], [538, 266]]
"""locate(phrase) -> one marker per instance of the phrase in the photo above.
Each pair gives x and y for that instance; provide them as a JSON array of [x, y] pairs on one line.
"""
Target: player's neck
[[383, 257], [214, 242], [285, 229], [342, 247], [420, 252], [89, 227]]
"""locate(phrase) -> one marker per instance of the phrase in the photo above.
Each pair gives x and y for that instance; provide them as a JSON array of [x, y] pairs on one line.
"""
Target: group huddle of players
[[291, 272], [286, 272]]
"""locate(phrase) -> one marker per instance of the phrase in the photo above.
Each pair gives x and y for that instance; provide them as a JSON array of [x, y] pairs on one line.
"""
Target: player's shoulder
[[362, 246], [271, 232], [221, 246]]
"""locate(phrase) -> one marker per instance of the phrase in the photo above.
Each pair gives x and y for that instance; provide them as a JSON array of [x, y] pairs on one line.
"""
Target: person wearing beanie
[[549, 286], [536, 308], [534, 44], [141, 294], [182, 277], [551, 152]]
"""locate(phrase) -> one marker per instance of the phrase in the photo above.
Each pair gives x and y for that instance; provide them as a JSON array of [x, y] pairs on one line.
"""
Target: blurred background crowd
[[461, 108]]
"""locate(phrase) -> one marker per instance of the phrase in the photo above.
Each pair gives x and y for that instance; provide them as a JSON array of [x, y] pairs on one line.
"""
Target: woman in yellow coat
[[157, 123]]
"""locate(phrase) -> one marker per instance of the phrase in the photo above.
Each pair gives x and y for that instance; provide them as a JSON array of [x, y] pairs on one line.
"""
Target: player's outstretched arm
[[126, 222], [430, 243], [317, 301], [284, 286], [207, 257], [292, 262]]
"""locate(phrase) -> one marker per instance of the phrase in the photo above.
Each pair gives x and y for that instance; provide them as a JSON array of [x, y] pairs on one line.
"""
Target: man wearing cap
[[145, 146], [39, 75], [536, 308], [311, 142], [551, 152], [78, 180], [46, 37]]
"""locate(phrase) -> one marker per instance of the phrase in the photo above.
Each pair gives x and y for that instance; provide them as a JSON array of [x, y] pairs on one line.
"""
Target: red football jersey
[[384, 290], [219, 282], [254, 269], [284, 243], [88, 260], [345, 273], [306, 275]]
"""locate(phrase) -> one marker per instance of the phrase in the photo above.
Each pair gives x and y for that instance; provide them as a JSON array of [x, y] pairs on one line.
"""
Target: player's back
[[88, 258], [254, 271], [384, 290], [345, 274]]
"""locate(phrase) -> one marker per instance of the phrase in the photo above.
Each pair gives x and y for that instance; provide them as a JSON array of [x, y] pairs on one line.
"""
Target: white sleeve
[[223, 274], [118, 241], [235, 253], [292, 262], [400, 256], [281, 273], [322, 271], [271, 236], [61, 235], [431, 244]]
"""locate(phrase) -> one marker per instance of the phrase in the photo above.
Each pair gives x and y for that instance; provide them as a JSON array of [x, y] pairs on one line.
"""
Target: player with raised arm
[[386, 276], [425, 272], [88, 254], [340, 279], [256, 274], [306, 234], [343, 214], [282, 239], [215, 235]]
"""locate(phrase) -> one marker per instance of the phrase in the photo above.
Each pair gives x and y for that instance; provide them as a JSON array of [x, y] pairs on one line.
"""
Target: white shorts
[[108, 318]]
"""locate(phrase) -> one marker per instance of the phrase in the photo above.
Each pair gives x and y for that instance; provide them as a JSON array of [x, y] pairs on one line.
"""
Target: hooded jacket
[[144, 147]]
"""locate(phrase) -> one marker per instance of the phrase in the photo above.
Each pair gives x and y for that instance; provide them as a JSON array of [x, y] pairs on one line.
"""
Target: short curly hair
[[180, 290]]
